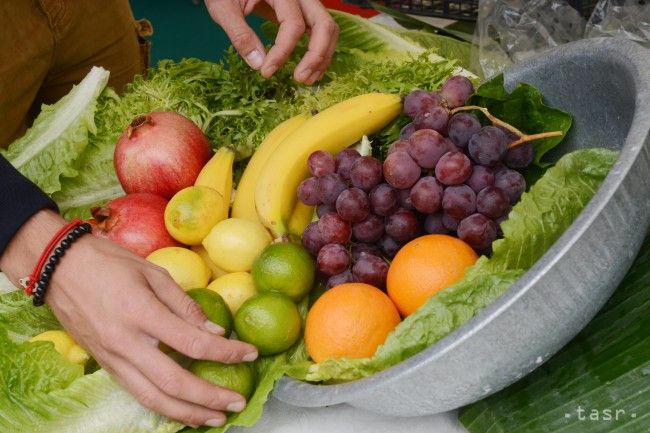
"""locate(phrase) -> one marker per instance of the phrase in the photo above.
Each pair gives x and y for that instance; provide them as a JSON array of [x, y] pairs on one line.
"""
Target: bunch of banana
[[285, 166]]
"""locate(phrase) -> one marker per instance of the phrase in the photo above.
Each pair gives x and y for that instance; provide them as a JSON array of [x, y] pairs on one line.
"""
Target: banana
[[217, 173], [301, 216], [244, 204], [332, 130]]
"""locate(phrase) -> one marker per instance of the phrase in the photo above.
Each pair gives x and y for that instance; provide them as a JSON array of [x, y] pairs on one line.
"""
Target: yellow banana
[[217, 173], [244, 204], [332, 130], [301, 216]]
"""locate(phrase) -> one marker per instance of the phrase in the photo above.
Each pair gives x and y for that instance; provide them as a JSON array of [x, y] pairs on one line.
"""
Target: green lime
[[214, 307], [238, 377], [269, 321], [285, 268]]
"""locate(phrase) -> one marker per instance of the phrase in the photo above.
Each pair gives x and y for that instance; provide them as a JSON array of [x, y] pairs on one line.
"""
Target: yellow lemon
[[192, 212], [216, 270], [234, 288], [186, 267], [65, 345], [234, 243]]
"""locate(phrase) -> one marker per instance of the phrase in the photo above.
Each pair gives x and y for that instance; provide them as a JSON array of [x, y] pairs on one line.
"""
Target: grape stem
[[523, 138]]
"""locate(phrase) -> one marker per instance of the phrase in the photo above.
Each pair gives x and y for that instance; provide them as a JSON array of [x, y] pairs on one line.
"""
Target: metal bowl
[[605, 84]]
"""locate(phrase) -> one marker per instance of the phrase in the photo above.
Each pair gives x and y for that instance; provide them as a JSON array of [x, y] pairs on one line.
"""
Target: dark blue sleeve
[[19, 200]]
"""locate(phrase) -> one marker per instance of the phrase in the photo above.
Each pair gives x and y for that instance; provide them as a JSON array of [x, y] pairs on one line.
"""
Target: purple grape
[[353, 205], [400, 170], [520, 156], [453, 168], [492, 202], [371, 270], [426, 146], [404, 199], [451, 146], [321, 163], [433, 224], [312, 239], [487, 146], [456, 90], [342, 278], [461, 127], [333, 259], [389, 246], [334, 230], [426, 195], [330, 186], [324, 209], [435, 118], [481, 177], [419, 101], [366, 173], [512, 182], [449, 222], [401, 144], [369, 230], [402, 225], [383, 199], [478, 231], [358, 250], [407, 131], [459, 201], [344, 160], [308, 191]]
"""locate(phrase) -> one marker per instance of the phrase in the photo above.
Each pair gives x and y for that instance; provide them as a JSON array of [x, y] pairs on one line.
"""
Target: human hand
[[119, 307], [296, 17]]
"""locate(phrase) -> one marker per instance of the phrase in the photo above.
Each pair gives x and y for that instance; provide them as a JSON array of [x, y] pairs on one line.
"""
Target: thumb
[[229, 15]]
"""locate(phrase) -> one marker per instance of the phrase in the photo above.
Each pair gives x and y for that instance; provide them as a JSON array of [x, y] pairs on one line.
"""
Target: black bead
[[38, 301], [49, 268], [45, 279], [54, 259], [65, 244], [78, 230], [87, 228], [71, 237], [59, 252]]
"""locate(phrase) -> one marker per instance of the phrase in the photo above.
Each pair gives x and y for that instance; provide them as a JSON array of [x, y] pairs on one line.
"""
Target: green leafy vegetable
[[534, 224], [50, 148], [605, 369], [525, 109]]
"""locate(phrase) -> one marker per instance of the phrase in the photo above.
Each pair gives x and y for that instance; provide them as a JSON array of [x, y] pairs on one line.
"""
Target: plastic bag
[[624, 18]]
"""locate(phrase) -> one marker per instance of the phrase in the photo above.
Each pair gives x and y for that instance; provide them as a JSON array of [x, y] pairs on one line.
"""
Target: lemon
[[186, 267], [269, 321], [214, 307], [216, 270], [234, 288], [285, 268], [192, 212], [65, 345], [234, 243], [237, 377]]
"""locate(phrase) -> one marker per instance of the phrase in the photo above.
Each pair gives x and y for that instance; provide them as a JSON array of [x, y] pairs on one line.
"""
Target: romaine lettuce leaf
[[50, 148]]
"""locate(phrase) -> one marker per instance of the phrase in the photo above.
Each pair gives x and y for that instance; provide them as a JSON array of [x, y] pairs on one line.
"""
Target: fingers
[[150, 396], [229, 15], [292, 27], [322, 42]]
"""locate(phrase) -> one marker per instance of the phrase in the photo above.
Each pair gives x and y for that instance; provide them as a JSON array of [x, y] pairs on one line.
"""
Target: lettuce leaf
[[50, 148], [534, 224]]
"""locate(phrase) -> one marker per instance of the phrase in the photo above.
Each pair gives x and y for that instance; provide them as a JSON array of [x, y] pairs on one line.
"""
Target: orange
[[425, 266], [349, 321]]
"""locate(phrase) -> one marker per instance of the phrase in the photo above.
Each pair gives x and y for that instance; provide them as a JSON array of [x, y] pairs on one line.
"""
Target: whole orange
[[349, 321], [425, 266]]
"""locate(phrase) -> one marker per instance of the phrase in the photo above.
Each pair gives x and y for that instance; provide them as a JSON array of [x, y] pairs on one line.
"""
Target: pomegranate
[[160, 153], [135, 221]]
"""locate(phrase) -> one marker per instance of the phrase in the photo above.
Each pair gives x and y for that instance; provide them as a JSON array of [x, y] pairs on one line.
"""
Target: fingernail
[[214, 328], [215, 422], [304, 75], [250, 357], [236, 406], [255, 59]]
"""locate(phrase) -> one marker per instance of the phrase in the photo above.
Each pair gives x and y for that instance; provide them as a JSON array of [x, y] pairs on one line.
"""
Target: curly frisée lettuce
[[534, 224]]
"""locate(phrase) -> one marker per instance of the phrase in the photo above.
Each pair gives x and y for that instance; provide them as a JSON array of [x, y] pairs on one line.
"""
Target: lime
[[234, 243], [237, 377], [284, 268], [214, 307], [192, 212], [186, 267], [269, 321], [234, 288]]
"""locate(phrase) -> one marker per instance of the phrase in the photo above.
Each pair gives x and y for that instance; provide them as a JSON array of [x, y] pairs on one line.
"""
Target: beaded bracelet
[[65, 238]]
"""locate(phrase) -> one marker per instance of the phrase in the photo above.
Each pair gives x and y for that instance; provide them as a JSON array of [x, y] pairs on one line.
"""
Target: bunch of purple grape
[[446, 174]]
